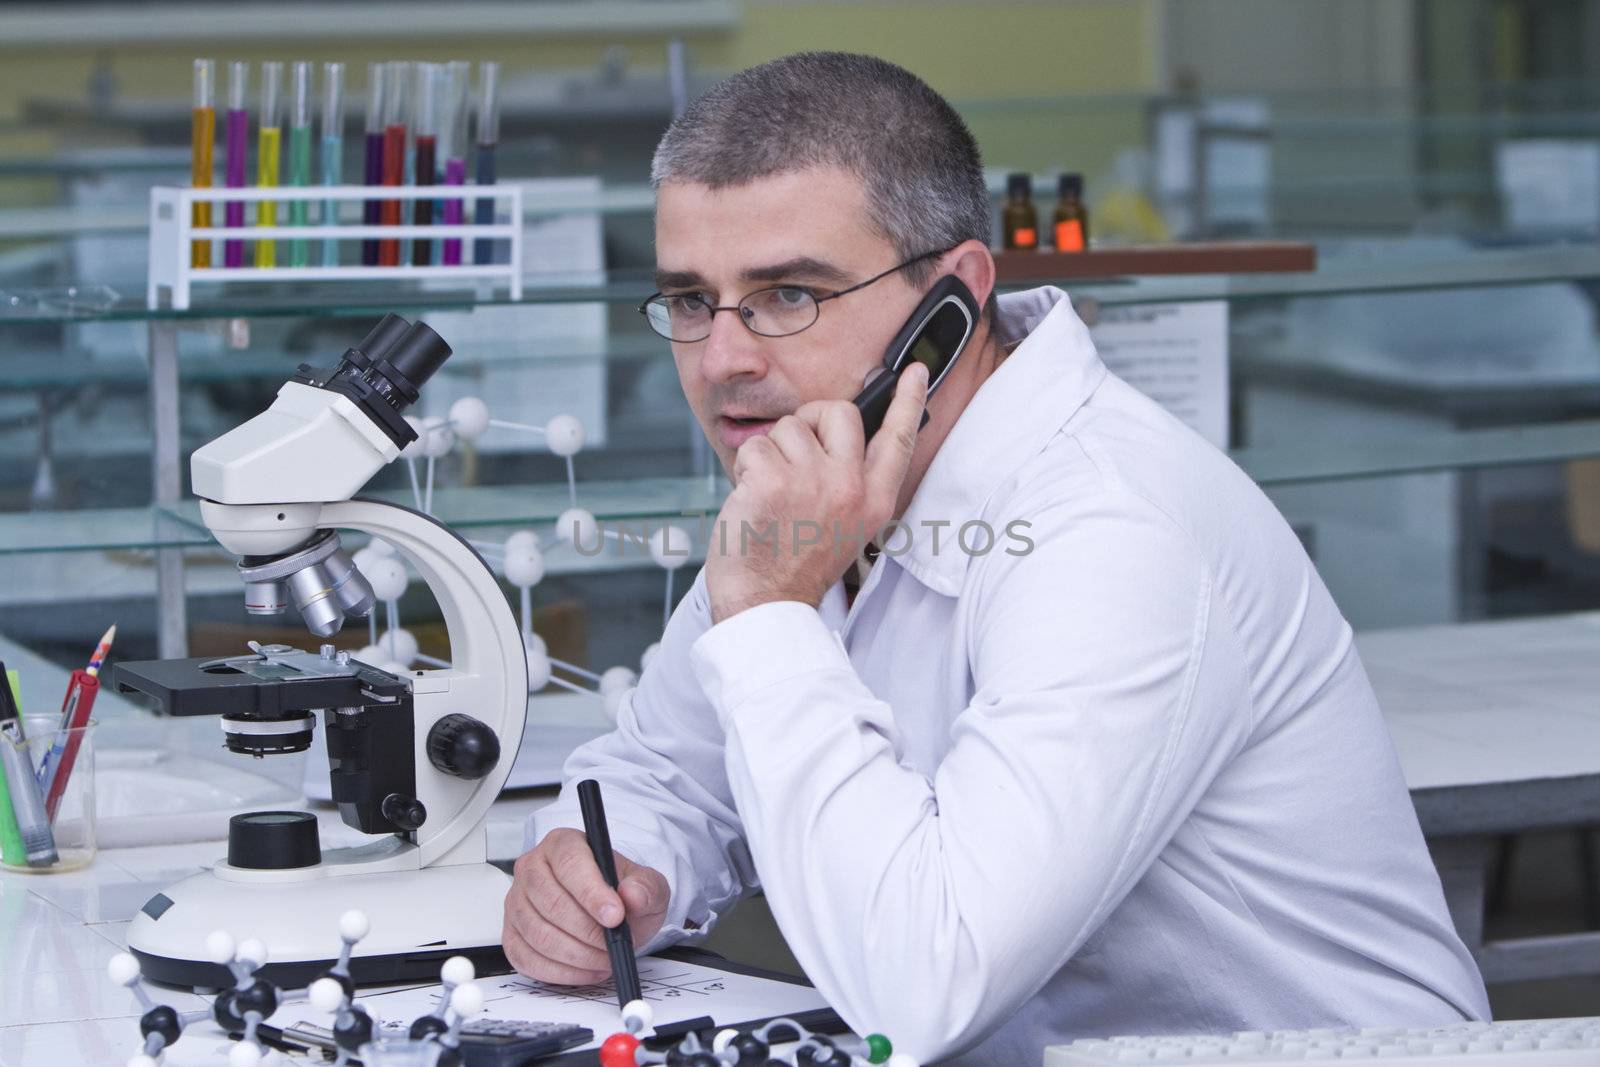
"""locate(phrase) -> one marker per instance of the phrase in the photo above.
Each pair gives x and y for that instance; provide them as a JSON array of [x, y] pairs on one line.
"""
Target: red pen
[[81, 692], [75, 708]]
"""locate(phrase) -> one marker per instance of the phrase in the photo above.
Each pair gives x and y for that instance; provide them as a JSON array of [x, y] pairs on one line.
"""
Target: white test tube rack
[[172, 232]]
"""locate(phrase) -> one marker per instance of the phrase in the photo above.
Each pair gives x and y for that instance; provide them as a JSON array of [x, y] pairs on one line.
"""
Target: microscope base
[[419, 919]]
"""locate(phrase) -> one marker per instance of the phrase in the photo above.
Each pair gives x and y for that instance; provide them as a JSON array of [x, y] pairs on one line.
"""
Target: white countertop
[[1490, 702], [58, 931]]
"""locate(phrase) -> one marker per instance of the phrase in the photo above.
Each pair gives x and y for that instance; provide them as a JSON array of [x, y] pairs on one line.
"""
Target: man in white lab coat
[[1085, 748]]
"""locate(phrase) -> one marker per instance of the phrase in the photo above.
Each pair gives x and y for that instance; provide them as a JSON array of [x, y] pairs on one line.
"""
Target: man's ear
[[973, 263]]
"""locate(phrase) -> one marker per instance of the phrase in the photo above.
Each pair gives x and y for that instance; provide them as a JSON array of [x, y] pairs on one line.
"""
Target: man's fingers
[[551, 899], [550, 940], [889, 451], [642, 888], [838, 427], [795, 440], [757, 452], [576, 870], [530, 962]]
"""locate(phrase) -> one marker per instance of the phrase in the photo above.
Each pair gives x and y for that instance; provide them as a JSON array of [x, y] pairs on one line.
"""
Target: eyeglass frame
[[644, 306]]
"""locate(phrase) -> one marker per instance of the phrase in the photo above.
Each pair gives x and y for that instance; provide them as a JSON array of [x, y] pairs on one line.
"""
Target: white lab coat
[[1131, 781]]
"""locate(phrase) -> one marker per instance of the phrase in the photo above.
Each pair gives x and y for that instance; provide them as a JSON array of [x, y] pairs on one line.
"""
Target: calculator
[[484, 1042], [514, 1042]]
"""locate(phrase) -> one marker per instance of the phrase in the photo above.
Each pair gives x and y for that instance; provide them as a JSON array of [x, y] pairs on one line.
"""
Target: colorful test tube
[[238, 146], [425, 159], [372, 173], [453, 139], [300, 95], [269, 155], [332, 151], [394, 158], [488, 139], [201, 156]]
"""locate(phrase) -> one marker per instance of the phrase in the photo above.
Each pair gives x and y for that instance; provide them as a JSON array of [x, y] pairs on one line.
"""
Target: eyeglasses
[[779, 311]]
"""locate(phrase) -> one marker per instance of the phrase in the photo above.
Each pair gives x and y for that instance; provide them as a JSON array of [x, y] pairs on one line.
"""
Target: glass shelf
[[1364, 275], [97, 528], [35, 370], [681, 499], [1413, 454], [648, 502], [1396, 269]]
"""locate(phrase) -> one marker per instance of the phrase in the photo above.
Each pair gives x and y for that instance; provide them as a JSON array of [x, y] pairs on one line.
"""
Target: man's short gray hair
[[923, 175]]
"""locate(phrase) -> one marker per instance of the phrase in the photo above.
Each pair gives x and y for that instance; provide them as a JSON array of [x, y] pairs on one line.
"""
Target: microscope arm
[[488, 675]]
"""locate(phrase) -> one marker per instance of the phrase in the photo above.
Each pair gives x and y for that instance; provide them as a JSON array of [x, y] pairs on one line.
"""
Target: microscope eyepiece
[[418, 354], [384, 374], [383, 336]]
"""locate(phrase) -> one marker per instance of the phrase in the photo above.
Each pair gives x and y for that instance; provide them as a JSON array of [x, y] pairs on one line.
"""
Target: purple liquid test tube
[[238, 148], [453, 147], [372, 171], [455, 173]]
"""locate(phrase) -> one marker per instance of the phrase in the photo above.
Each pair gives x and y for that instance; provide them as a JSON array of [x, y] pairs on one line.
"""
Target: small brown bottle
[[1019, 220], [1071, 218]]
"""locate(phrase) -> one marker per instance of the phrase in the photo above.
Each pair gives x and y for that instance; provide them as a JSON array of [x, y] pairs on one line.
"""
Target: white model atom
[[520, 558]]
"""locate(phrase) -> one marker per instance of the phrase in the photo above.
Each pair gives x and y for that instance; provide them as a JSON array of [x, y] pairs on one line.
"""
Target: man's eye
[[688, 301], [792, 295]]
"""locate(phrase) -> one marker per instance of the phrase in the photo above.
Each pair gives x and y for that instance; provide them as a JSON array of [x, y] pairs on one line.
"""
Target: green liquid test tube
[[299, 157]]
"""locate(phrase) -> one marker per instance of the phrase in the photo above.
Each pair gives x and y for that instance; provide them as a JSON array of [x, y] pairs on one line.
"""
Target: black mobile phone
[[934, 336]]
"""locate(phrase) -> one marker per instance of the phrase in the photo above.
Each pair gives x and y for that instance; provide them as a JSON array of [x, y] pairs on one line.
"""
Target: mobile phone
[[935, 335]]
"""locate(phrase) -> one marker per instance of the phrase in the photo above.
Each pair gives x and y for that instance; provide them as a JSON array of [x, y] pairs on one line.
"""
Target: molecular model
[[241, 1009], [520, 558], [752, 1048]]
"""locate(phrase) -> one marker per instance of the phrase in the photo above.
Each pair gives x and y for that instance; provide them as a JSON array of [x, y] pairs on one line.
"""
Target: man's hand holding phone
[[559, 903], [813, 474]]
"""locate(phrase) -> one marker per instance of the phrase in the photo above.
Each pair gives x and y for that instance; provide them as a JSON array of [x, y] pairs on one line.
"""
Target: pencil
[[101, 650]]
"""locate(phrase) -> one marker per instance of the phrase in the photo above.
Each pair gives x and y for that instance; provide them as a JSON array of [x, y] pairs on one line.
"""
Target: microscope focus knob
[[408, 813], [463, 746]]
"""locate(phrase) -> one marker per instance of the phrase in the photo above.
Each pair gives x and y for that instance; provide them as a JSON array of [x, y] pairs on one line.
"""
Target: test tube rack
[[172, 231]]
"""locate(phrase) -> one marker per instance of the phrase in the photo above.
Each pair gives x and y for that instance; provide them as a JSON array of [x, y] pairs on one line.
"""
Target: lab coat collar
[[1012, 416]]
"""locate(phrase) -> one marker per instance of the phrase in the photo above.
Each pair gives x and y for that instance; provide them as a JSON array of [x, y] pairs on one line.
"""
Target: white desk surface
[[1490, 702], [58, 931], [1481, 703]]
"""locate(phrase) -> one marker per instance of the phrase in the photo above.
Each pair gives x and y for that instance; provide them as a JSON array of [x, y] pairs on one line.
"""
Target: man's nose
[[731, 351]]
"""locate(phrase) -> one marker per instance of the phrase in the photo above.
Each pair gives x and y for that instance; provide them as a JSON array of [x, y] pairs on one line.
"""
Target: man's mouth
[[735, 430]]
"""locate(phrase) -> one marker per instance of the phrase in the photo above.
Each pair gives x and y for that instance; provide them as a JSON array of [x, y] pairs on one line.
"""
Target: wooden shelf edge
[[1220, 257]]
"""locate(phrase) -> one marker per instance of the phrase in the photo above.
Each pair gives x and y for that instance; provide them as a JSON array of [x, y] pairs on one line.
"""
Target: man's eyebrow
[[678, 279], [799, 267]]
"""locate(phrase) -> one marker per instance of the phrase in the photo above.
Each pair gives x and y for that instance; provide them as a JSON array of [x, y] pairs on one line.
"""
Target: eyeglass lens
[[775, 312]]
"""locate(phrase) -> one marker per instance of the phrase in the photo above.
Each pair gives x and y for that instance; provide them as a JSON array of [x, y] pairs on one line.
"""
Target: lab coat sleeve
[[1107, 693], [666, 793]]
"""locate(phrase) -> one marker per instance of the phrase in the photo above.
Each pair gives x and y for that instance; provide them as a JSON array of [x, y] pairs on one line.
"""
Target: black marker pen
[[619, 941]]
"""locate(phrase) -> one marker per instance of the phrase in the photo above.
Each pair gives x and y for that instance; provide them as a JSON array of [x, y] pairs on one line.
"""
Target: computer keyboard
[[1522, 1043]]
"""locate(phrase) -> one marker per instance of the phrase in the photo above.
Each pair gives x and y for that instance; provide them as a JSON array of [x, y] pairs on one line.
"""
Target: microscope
[[415, 759]]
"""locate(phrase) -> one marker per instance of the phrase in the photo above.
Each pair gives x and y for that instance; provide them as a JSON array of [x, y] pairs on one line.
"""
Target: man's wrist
[[724, 609]]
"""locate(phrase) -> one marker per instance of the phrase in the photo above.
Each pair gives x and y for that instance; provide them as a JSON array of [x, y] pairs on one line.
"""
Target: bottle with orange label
[[1071, 218], [1019, 221]]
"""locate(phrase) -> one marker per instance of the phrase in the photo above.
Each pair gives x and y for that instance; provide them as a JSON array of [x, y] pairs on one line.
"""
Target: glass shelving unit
[[180, 362]]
